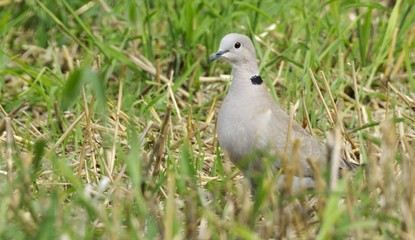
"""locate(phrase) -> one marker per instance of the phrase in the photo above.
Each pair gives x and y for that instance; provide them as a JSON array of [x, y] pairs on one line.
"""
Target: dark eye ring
[[237, 45]]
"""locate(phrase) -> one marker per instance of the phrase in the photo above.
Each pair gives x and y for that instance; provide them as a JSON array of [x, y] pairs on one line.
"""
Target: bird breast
[[243, 126]]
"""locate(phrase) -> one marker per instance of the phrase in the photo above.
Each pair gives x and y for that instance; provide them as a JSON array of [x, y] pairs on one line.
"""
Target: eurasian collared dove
[[252, 126]]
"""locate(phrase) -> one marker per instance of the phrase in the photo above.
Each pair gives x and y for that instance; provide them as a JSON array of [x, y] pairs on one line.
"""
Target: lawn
[[108, 116]]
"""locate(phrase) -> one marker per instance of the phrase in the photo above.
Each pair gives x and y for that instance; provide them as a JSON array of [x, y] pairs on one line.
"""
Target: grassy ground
[[108, 112]]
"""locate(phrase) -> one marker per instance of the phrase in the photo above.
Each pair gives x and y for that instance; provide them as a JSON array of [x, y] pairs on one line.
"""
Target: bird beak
[[217, 55]]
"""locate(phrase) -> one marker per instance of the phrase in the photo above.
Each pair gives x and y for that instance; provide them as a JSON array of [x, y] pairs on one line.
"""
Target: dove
[[253, 130]]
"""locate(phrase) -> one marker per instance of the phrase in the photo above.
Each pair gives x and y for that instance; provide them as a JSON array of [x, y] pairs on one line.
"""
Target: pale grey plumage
[[251, 124]]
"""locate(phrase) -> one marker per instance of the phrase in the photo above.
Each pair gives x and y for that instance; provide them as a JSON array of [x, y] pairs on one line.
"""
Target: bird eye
[[237, 45]]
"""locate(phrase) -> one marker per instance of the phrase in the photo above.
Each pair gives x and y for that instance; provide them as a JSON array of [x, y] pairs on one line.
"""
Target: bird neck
[[244, 77]]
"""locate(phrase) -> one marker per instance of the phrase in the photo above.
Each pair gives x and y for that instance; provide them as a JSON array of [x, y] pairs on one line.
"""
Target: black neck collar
[[256, 79]]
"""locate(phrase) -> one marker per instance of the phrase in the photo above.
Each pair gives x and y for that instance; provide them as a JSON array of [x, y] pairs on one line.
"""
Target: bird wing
[[272, 129]]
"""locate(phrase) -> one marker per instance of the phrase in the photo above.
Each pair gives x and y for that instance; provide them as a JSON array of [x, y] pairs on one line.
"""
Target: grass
[[108, 114]]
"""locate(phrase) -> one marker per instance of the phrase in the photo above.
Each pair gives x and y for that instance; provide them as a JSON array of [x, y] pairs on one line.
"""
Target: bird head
[[237, 49]]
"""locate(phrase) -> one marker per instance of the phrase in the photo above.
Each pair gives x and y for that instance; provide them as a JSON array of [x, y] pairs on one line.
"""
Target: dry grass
[[112, 136]]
